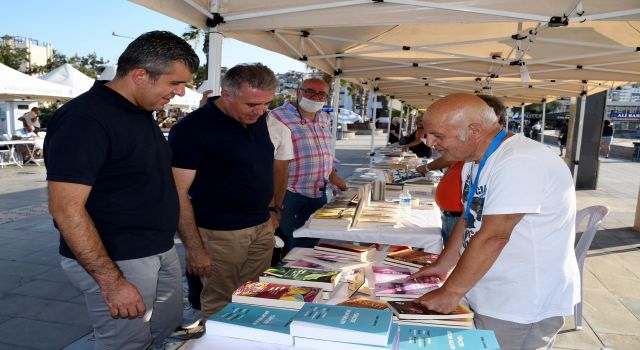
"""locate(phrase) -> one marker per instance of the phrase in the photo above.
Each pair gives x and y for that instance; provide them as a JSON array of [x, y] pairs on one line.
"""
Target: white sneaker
[[190, 317]]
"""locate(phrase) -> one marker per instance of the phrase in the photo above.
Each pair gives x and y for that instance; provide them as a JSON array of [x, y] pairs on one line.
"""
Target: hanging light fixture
[[524, 73]]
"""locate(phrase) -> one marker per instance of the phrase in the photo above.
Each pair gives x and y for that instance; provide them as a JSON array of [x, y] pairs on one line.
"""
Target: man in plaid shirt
[[311, 169]]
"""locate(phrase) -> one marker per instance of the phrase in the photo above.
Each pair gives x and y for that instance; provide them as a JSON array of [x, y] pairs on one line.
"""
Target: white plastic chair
[[595, 213]]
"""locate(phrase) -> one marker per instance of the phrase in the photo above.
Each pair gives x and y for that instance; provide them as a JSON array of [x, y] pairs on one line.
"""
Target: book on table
[[332, 218], [264, 324], [412, 337], [334, 262], [343, 324], [361, 253], [327, 280], [275, 295], [365, 303], [412, 310], [412, 258], [354, 279], [386, 274], [321, 344], [306, 263], [402, 290], [453, 322]]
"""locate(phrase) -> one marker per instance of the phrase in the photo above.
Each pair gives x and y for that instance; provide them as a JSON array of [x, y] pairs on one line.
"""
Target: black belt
[[451, 214]]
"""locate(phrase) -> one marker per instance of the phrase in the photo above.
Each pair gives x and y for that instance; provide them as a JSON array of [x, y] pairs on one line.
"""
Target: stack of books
[[356, 252], [414, 337], [332, 219], [414, 260], [399, 176], [343, 327], [250, 322], [378, 215], [392, 283], [325, 280], [281, 296], [412, 312]]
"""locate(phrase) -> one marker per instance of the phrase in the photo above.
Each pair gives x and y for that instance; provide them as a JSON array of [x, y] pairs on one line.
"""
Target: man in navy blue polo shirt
[[113, 198], [223, 167]]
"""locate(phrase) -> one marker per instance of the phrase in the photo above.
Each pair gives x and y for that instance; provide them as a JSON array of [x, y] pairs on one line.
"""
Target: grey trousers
[[512, 335], [158, 279]]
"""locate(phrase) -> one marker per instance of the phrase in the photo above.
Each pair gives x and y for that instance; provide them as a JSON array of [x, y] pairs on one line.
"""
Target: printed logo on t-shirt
[[475, 213]]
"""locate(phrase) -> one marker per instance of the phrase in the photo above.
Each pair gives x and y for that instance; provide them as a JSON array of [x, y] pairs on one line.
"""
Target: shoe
[[190, 318], [607, 156]]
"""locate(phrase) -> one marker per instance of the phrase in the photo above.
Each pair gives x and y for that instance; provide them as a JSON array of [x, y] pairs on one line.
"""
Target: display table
[[12, 158], [215, 342]]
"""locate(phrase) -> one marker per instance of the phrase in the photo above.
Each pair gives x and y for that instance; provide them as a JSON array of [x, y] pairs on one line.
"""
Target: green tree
[[277, 102], [10, 56], [193, 36]]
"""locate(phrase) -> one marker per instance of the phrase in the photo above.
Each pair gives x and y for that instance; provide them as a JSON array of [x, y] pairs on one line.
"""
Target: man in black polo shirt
[[223, 167], [113, 198]]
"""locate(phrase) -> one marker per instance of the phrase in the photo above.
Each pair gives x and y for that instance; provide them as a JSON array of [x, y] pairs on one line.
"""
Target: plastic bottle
[[405, 201]]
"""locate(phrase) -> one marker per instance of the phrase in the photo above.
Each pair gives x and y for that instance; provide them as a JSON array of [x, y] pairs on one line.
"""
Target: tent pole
[[215, 54], [390, 110], [576, 162], [522, 118], [544, 112], [401, 119], [374, 97], [336, 105]]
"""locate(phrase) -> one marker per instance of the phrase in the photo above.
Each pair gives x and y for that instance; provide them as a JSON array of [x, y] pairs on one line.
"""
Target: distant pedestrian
[[562, 136], [113, 197], [607, 137]]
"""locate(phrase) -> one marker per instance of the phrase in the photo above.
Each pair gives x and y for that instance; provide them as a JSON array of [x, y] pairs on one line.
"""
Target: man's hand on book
[[431, 274], [440, 300]]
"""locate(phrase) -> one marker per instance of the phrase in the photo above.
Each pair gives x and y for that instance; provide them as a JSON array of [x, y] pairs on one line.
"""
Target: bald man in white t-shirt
[[511, 254]]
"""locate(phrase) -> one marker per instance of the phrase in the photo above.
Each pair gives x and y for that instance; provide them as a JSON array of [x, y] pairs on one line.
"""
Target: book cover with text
[[413, 337], [259, 323], [343, 323]]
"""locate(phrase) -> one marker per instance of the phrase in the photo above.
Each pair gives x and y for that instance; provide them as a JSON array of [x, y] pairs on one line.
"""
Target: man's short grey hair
[[487, 115], [498, 107], [156, 52], [256, 75]]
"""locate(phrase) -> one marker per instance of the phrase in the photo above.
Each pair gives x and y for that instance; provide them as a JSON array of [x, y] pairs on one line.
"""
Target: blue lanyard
[[474, 185]]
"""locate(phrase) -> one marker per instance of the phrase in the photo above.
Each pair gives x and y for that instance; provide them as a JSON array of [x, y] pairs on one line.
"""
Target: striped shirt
[[313, 160]]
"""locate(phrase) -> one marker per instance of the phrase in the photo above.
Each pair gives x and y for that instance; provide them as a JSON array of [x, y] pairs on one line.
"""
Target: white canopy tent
[[190, 99], [108, 73], [67, 75], [416, 51], [17, 85]]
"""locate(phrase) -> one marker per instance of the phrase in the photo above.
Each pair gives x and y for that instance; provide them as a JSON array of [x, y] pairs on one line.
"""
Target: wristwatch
[[274, 209]]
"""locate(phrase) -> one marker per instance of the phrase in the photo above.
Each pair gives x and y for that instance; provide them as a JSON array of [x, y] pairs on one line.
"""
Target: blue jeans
[[296, 211], [448, 223]]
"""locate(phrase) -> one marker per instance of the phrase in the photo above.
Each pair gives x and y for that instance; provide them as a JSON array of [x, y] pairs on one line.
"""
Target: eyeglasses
[[311, 93]]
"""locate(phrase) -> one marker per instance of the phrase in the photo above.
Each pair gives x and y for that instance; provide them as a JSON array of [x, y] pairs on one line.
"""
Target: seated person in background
[[416, 144], [23, 151], [32, 119]]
